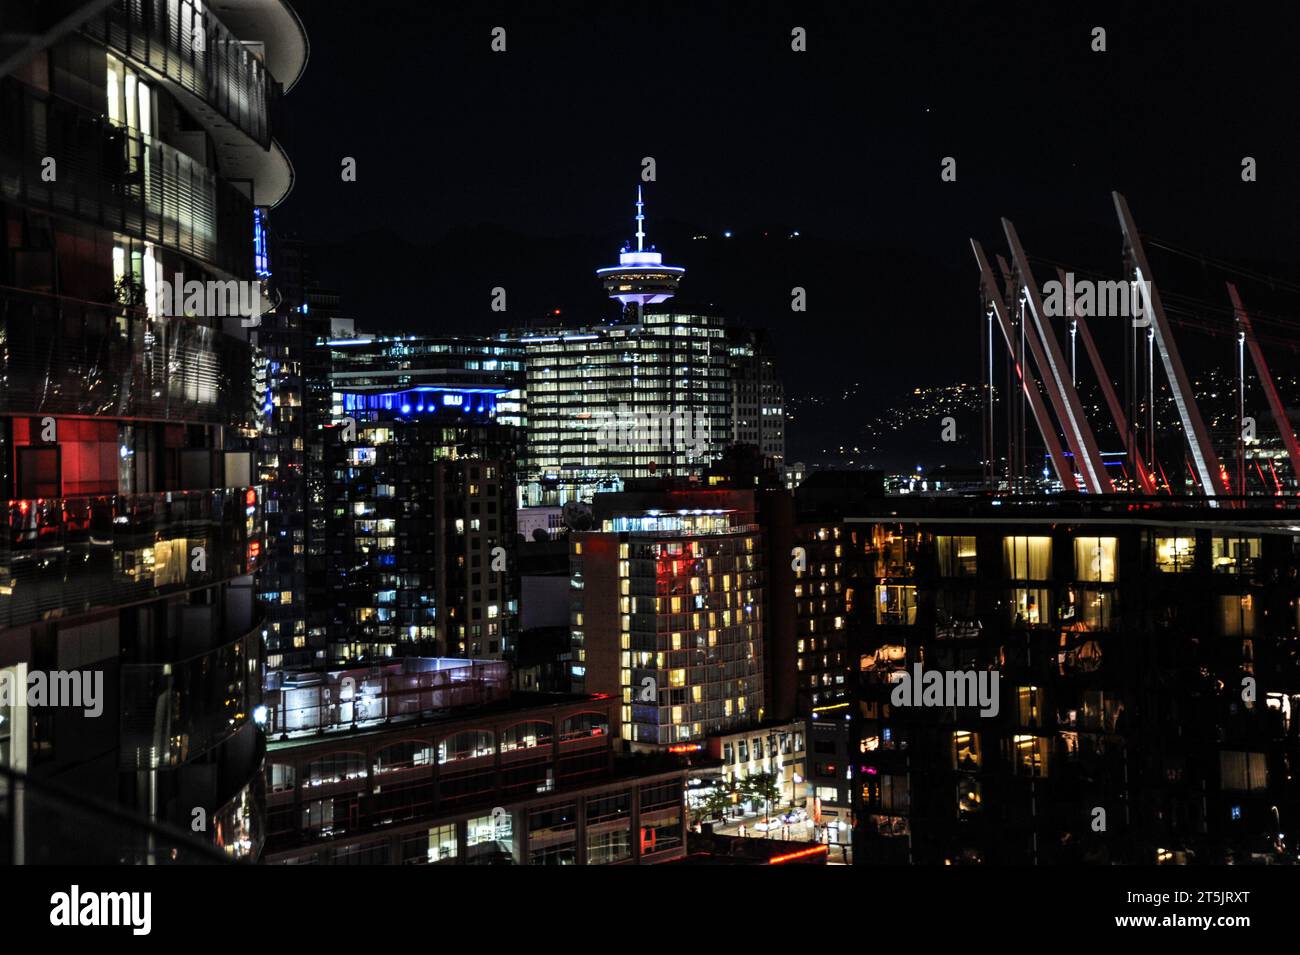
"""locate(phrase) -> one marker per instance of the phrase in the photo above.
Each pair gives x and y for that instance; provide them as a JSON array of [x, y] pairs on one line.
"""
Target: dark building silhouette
[[1146, 656]]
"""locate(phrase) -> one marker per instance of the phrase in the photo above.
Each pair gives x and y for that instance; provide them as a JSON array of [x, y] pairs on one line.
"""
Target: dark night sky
[[519, 169]]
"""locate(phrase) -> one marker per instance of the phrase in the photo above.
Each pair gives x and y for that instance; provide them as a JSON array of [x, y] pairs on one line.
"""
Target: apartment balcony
[[62, 556], [117, 178], [63, 356], [173, 713], [42, 824], [222, 80]]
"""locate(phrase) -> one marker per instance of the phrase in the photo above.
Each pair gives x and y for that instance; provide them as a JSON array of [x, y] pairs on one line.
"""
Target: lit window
[[1175, 555]]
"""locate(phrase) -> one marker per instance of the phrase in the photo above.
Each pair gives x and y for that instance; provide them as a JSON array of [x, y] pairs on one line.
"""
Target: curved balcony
[[288, 50], [221, 81], [64, 356], [61, 556], [119, 179], [175, 712]]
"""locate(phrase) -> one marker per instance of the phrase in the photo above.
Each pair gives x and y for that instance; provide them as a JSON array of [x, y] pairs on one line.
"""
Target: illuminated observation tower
[[640, 278]]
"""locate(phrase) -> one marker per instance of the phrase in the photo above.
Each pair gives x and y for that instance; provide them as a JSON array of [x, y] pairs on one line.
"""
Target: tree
[[763, 787], [716, 804]]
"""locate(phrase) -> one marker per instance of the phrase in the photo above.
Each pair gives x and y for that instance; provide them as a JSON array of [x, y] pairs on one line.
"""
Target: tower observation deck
[[641, 278]]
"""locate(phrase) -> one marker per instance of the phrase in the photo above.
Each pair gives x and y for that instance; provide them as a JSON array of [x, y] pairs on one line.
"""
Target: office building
[[757, 394], [613, 402], [648, 393]]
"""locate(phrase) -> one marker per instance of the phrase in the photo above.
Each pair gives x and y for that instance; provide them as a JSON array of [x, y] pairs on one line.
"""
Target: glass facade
[[611, 402], [1118, 643], [129, 411]]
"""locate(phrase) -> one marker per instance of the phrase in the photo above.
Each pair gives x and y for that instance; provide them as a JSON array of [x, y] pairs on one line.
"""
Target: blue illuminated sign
[[425, 400]]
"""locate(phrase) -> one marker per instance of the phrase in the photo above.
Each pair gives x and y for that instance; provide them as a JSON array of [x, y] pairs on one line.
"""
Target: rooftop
[[1278, 515]]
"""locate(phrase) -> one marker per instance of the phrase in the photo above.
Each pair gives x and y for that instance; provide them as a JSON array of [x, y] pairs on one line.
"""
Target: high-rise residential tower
[[138, 165], [418, 499], [668, 611]]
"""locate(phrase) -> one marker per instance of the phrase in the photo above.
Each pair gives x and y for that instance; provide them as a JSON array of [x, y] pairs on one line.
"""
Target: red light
[[250, 497], [801, 854]]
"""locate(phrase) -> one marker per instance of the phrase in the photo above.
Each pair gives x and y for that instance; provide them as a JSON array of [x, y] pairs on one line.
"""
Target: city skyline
[[678, 436], [844, 147]]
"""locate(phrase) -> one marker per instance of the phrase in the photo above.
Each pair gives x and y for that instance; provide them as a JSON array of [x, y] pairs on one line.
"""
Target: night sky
[[478, 169]]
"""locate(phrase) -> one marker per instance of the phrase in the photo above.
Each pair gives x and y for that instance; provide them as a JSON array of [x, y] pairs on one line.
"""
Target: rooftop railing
[[310, 703]]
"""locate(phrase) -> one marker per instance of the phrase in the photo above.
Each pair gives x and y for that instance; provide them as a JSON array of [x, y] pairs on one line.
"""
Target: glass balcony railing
[[42, 824], [160, 35], [64, 356], [72, 555], [175, 712], [119, 179]]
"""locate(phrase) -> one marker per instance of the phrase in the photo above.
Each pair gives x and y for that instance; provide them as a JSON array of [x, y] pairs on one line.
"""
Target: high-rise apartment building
[[419, 493], [295, 364], [420, 517], [136, 147], [668, 612], [1146, 685]]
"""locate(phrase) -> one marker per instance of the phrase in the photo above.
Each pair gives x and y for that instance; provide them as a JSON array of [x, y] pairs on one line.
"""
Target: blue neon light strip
[[261, 256], [426, 399]]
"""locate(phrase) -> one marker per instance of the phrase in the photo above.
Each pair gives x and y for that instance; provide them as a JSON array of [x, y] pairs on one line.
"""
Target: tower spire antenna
[[640, 221]]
